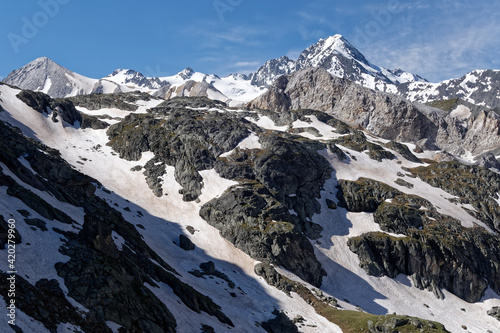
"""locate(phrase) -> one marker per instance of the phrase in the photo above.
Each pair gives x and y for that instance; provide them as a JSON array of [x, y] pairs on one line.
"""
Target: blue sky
[[437, 39]]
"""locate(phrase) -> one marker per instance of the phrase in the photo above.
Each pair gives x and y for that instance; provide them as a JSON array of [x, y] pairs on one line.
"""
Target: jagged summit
[[130, 77], [272, 69], [317, 54], [187, 73]]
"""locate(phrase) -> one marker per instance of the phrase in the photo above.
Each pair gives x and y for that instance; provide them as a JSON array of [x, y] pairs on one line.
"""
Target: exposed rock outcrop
[[386, 115], [279, 324], [122, 101], [46, 105], [187, 139], [495, 312], [473, 185], [437, 253]]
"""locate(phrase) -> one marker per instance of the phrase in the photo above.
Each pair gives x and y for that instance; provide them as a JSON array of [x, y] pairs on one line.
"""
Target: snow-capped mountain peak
[[342, 59], [316, 55], [187, 73]]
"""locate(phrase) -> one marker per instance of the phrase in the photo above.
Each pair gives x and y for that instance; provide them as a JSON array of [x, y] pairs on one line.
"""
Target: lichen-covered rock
[[442, 255], [383, 114], [403, 150], [437, 252], [272, 277], [357, 141], [111, 283], [122, 101], [255, 222], [190, 140], [44, 104], [473, 185], [364, 195]]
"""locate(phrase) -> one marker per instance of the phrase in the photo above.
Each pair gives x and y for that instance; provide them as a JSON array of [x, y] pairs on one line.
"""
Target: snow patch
[[118, 240]]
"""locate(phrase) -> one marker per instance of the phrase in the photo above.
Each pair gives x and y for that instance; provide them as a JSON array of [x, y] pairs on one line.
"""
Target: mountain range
[[335, 54], [323, 194]]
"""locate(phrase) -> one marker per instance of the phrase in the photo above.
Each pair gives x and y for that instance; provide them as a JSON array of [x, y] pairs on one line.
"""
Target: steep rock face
[[189, 140], [44, 104], [437, 252], [341, 59], [268, 215], [385, 115], [258, 224], [460, 263], [364, 195], [271, 70], [287, 175], [64, 107]]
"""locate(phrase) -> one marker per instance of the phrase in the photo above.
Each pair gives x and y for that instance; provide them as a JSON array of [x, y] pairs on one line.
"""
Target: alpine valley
[[323, 194]]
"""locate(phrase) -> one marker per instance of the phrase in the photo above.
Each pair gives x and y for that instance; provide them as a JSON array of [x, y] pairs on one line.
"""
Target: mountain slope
[[237, 184]]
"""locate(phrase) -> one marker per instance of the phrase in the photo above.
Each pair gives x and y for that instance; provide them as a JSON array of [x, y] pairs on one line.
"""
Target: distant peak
[[123, 71], [336, 37], [42, 60], [186, 73]]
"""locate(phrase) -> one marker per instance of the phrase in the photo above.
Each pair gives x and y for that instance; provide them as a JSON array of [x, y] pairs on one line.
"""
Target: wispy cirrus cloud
[[240, 64], [211, 35], [293, 54], [445, 40]]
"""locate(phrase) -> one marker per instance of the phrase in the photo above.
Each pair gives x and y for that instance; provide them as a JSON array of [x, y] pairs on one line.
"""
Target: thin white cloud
[[232, 35], [293, 54], [308, 33], [240, 64], [440, 45]]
